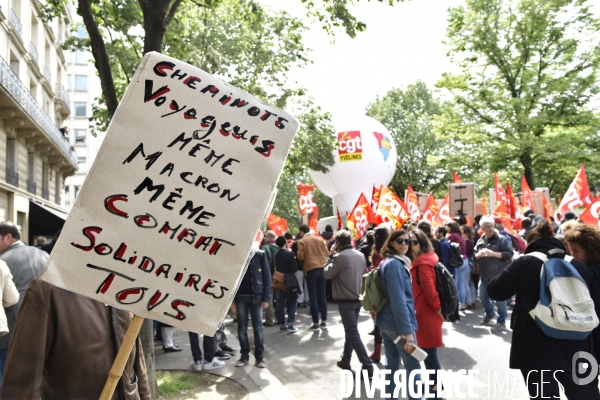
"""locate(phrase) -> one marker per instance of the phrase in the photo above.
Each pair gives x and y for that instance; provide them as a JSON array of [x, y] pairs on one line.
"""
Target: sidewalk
[[260, 383]]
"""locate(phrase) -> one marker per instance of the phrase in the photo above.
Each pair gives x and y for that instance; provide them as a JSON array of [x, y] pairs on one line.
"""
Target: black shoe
[[172, 349], [222, 355], [372, 333], [227, 349]]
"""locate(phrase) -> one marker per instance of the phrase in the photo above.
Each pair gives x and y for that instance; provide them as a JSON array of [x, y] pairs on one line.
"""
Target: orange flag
[[455, 177], [305, 198], [359, 217], [314, 220], [444, 212], [526, 199], [591, 215], [549, 210], [277, 224], [412, 202], [578, 195], [512, 201], [483, 203], [375, 199], [391, 209], [431, 210], [502, 213], [339, 218], [500, 193]]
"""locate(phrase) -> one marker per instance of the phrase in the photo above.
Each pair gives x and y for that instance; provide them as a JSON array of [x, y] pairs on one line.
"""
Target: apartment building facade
[[35, 155]]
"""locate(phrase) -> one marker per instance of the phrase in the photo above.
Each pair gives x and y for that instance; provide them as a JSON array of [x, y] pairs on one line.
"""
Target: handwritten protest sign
[[462, 199], [165, 220]]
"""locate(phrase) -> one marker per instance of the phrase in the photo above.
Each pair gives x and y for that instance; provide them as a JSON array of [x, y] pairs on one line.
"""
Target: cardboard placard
[[462, 199], [164, 223]]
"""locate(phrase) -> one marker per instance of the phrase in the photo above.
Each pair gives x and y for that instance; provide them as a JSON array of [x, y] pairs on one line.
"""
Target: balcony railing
[[34, 53], [47, 75], [12, 84], [62, 95], [31, 187], [57, 199], [45, 194], [12, 178], [16, 23]]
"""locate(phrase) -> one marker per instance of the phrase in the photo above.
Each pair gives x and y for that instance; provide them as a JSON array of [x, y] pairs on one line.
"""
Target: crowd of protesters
[[289, 272]]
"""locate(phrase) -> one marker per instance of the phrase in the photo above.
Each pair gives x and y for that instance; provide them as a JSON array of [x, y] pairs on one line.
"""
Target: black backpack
[[456, 260], [446, 289]]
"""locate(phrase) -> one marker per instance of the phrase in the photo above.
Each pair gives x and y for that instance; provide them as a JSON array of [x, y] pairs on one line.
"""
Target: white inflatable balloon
[[366, 156]]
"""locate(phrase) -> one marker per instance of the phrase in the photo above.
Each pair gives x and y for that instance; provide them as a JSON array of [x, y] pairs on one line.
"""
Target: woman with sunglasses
[[427, 301], [397, 319]]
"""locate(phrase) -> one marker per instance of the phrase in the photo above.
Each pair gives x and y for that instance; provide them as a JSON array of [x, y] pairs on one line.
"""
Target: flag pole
[[118, 366]]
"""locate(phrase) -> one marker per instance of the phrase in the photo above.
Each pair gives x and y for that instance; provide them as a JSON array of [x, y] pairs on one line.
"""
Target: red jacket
[[427, 301]]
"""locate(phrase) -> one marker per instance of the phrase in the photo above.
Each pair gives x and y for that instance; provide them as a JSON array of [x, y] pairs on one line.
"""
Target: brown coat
[[63, 347], [313, 252]]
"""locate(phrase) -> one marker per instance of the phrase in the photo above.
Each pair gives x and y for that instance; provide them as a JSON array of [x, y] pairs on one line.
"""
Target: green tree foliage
[[524, 101], [408, 115]]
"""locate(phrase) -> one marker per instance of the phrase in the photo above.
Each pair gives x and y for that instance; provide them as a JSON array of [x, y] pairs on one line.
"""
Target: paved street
[[302, 364]]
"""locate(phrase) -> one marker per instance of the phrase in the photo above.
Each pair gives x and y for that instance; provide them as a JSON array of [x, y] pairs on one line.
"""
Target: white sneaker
[[197, 365], [214, 364]]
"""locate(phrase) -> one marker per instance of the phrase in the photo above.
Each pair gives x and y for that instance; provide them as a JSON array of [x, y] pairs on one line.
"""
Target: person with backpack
[[460, 263], [492, 253], [427, 301], [398, 318], [471, 294], [532, 350]]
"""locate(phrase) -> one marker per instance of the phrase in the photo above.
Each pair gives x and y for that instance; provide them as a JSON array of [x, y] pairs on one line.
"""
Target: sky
[[402, 44]]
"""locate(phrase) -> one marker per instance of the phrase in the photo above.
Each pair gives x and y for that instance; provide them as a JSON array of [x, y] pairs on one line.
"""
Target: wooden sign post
[[462, 199], [165, 220]]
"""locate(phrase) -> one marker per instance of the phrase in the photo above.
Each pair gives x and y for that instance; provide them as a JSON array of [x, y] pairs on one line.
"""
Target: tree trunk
[[147, 338], [101, 60], [527, 163], [155, 12]]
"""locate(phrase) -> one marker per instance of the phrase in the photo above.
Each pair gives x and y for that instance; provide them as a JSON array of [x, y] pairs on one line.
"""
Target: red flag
[[591, 215], [305, 198], [500, 193], [444, 212], [431, 210], [314, 220], [526, 199], [412, 202], [483, 203], [512, 201], [391, 208], [339, 218], [360, 217], [578, 194], [502, 213], [277, 224], [375, 199], [548, 207], [455, 177]]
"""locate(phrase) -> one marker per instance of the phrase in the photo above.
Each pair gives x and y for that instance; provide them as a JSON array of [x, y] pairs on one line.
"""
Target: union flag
[[455, 177], [277, 224], [444, 212], [314, 220], [591, 215], [483, 203], [305, 198], [514, 212], [391, 209], [500, 193], [578, 195], [412, 202], [526, 199], [502, 213], [431, 210], [339, 218], [359, 217]]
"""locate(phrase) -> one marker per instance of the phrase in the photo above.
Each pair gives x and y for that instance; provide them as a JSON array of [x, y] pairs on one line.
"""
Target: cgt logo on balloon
[[350, 146]]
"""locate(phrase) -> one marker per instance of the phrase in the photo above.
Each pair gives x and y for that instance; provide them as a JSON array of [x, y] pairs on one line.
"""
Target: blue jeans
[[488, 306], [349, 313], [3, 354], [463, 279], [433, 362], [317, 294], [459, 277], [289, 300], [208, 344], [393, 355], [252, 304]]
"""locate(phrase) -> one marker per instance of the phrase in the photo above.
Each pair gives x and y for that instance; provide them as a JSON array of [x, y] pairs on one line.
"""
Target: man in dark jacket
[[270, 248], [532, 351], [493, 253], [253, 295], [286, 264]]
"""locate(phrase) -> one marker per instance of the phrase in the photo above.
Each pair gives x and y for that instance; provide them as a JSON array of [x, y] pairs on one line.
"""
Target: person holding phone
[[398, 317]]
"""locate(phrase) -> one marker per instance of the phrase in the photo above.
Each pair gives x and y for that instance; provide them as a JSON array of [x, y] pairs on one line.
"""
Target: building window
[[81, 57], [80, 109], [81, 163], [76, 191], [11, 155], [14, 66], [69, 84], [80, 135], [81, 82], [81, 31]]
